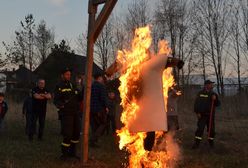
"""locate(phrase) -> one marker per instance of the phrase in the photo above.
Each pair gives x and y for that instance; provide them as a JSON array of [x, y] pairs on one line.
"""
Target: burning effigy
[[145, 78]]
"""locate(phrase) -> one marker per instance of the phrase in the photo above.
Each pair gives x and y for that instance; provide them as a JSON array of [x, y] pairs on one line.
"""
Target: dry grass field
[[230, 146]]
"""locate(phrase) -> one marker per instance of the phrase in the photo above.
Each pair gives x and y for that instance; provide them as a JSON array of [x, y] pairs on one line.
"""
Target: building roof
[[51, 68], [59, 60]]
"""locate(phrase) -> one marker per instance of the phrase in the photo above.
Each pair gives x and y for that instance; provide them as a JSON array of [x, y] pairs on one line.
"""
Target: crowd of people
[[67, 97]]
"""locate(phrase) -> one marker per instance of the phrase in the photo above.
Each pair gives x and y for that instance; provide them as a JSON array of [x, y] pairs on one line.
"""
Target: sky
[[68, 18]]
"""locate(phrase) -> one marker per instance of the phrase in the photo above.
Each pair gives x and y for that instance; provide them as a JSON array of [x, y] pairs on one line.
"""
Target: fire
[[130, 90]]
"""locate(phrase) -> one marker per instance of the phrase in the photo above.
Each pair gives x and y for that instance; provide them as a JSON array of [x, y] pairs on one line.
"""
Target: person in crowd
[[27, 112], [204, 107], [40, 95], [67, 99], [3, 109], [98, 109], [111, 114], [172, 109]]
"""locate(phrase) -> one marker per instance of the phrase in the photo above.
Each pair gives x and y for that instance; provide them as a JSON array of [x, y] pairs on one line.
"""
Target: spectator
[[40, 95], [3, 109], [67, 99], [172, 112], [99, 109], [111, 113], [204, 107], [27, 112]]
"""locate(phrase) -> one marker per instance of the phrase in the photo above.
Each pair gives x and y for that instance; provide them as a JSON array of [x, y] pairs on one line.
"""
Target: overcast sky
[[67, 17]]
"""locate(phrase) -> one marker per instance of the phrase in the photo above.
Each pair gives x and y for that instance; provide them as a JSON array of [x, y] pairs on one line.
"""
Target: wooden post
[[87, 88], [95, 26]]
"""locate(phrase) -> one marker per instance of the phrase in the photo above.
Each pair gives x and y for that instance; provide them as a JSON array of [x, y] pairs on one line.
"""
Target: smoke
[[173, 149], [168, 143]]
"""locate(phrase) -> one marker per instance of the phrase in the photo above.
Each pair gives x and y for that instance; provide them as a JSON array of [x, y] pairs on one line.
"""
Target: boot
[[65, 153], [72, 151], [30, 138], [196, 144], [211, 143], [149, 141], [40, 137]]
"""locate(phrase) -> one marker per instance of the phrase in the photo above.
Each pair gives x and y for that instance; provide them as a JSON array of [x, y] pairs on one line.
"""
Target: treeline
[[211, 36], [31, 45]]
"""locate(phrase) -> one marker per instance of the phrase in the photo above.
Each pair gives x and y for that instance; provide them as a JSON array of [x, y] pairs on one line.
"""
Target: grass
[[230, 145]]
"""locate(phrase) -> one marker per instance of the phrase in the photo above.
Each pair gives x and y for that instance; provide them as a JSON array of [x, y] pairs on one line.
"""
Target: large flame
[[131, 61]]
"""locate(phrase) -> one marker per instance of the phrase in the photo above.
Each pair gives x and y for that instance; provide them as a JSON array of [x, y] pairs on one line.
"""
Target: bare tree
[[103, 46], [2, 61], [235, 40], [44, 40], [174, 18], [16, 52], [27, 33], [213, 20], [244, 19], [106, 45], [166, 16], [63, 46], [22, 49], [81, 44], [138, 14]]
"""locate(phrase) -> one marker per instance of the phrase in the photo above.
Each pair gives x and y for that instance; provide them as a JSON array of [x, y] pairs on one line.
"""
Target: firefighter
[[67, 99], [204, 107]]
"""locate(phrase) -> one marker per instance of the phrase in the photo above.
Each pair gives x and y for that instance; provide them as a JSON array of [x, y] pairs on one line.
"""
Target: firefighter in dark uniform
[[67, 99], [204, 107]]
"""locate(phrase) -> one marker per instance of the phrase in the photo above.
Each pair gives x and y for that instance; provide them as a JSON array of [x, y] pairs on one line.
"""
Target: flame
[[131, 61]]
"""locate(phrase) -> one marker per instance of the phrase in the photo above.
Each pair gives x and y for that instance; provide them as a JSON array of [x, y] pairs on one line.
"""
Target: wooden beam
[[98, 2], [92, 10], [94, 28], [102, 17]]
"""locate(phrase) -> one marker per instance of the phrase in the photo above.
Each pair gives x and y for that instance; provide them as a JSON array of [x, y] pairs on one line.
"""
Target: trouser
[[1, 124], [203, 121], [37, 115], [70, 125], [98, 124], [28, 123], [59, 118], [173, 123], [149, 141], [110, 122]]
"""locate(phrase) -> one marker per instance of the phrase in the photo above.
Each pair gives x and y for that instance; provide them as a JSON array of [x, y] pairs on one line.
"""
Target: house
[[51, 68], [20, 78], [2, 82]]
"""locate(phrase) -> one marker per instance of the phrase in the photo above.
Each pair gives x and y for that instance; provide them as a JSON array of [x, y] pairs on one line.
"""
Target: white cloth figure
[[151, 115]]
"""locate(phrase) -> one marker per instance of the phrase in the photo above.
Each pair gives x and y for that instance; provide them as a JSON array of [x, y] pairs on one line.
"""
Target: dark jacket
[[99, 99], [3, 109], [203, 102], [112, 107], [37, 104], [67, 98], [27, 106]]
